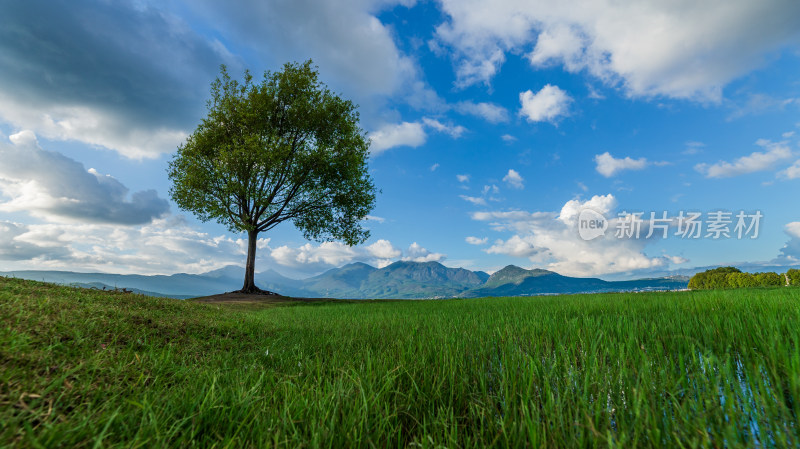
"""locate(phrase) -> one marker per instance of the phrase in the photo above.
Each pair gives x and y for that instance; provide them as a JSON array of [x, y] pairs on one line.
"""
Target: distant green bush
[[731, 277], [714, 279], [770, 279], [794, 276]]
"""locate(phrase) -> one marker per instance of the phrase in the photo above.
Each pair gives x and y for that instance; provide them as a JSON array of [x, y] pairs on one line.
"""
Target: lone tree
[[285, 148]]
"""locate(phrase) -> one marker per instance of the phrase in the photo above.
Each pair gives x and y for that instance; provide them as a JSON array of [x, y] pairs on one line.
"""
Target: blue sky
[[493, 124]]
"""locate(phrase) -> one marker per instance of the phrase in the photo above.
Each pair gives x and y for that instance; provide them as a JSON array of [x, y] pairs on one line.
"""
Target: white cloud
[[756, 161], [547, 105], [514, 179], [16, 245], [558, 43], [793, 229], [515, 247], [676, 49], [434, 166], [491, 189], [417, 253], [164, 246], [93, 127], [143, 99], [356, 51], [95, 87], [170, 245], [310, 258], [410, 134], [758, 103], [594, 94], [790, 253], [551, 240], [50, 185], [374, 218], [383, 249], [791, 172], [313, 258], [476, 241], [490, 112], [608, 165], [693, 147], [462, 178], [487, 193], [476, 200], [324, 254], [455, 131], [508, 138]]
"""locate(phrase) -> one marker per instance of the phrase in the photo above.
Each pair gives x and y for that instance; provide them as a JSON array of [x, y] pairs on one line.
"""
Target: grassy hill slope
[[81, 368]]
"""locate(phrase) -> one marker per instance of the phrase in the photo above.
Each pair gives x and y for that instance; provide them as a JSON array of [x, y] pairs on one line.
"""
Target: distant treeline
[[730, 277]]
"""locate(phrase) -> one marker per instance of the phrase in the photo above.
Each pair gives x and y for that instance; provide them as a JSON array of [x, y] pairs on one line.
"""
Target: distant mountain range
[[400, 280]]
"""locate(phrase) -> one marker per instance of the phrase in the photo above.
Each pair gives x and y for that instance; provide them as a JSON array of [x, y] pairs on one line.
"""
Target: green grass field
[[83, 368]]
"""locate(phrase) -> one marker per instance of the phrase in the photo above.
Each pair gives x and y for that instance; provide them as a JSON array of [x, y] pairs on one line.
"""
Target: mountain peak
[[512, 274], [228, 271], [358, 265], [412, 263]]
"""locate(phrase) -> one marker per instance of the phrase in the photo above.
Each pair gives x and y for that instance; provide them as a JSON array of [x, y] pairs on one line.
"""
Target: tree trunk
[[249, 271]]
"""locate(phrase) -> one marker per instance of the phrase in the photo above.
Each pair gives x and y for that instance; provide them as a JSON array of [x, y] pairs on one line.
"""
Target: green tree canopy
[[284, 148], [794, 276], [730, 277]]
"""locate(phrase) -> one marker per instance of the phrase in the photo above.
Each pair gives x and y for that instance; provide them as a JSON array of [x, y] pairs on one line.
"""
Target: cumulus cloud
[[514, 179], [560, 42], [69, 72], [490, 112], [410, 134], [416, 253], [515, 247], [791, 172], [324, 254], [547, 105], [476, 241], [476, 200], [693, 147], [383, 249], [491, 190], [355, 50], [462, 178], [790, 253], [676, 49], [608, 165], [164, 246], [374, 218], [171, 245], [48, 184], [754, 162], [310, 258], [15, 245], [551, 240], [455, 131], [488, 193]]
